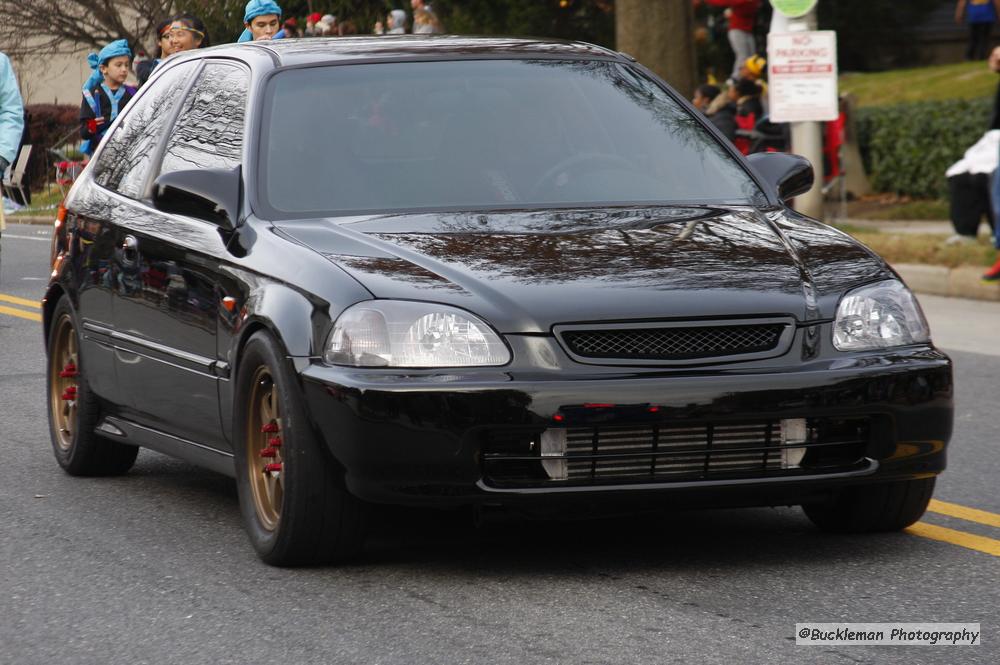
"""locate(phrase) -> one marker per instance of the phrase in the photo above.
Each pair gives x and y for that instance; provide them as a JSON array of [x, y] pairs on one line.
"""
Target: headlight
[[879, 316], [397, 333]]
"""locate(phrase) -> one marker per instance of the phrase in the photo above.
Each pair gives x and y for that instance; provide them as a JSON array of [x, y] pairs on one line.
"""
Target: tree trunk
[[659, 34]]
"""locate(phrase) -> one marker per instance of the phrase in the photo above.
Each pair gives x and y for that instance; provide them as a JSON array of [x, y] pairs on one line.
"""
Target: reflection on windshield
[[486, 134]]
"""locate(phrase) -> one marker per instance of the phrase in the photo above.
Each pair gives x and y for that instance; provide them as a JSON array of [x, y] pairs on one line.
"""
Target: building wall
[[53, 79]]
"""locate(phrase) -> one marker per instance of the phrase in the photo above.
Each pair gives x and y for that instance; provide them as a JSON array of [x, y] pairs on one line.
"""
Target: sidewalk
[[889, 226], [36, 221]]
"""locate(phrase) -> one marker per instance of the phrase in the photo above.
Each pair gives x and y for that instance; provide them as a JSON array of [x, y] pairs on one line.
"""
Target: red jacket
[[744, 12]]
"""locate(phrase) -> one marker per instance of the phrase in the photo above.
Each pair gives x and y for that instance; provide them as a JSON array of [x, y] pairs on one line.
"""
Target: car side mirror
[[209, 194], [790, 175]]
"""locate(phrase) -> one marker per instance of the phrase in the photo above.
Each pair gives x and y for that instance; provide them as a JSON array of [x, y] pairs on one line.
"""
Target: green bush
[[907, 147]]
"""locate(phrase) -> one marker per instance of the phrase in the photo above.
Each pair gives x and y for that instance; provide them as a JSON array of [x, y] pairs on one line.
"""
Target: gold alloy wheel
[[63, 372], [263, 449]]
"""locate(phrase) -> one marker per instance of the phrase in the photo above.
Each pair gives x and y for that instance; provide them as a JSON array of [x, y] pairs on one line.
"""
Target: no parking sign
[[802, 76]]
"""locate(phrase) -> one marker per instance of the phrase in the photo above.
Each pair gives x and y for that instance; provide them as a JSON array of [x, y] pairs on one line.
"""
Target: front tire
[[74, 410], [890, 506], [296, 510]]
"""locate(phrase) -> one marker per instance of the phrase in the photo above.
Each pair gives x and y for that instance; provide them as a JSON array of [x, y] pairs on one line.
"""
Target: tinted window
[[209, 131], [125, 160], [483, 134]]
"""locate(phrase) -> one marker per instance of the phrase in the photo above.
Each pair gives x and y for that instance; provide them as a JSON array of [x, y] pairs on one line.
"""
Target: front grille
[[673, 343], [666, 453], [679, 451]]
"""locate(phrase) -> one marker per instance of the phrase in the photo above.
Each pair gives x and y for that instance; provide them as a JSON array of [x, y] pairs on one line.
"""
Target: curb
[[961, 282], [890, 226], [32, 221]]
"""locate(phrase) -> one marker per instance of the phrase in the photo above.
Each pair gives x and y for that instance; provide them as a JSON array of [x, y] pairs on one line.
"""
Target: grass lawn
[[924, 248], [43, 202], [890, 207], [966, 80]]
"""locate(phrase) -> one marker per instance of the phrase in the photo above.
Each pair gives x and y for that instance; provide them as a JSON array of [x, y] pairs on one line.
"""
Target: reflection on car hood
[[526, 271]]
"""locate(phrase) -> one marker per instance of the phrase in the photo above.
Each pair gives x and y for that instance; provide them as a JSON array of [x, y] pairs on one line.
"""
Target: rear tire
[[296, 510], [887, 506], [74, 410]]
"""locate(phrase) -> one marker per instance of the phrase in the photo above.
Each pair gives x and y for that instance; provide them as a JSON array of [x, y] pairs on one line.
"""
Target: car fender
[[285, 313]]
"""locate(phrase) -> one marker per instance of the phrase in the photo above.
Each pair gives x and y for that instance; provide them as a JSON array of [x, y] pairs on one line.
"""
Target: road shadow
[[452, 542], [695, 540]]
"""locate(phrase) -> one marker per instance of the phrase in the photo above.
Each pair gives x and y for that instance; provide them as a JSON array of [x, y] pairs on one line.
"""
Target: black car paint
[[411, 437], [665, 263]]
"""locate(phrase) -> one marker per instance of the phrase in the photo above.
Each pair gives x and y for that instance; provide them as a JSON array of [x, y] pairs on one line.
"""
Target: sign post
[[802, 75]]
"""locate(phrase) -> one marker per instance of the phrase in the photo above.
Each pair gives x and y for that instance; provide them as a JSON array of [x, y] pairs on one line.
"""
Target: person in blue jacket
[[11, 113], [11, 119], [105, 93], [261, 20], [980, 15]]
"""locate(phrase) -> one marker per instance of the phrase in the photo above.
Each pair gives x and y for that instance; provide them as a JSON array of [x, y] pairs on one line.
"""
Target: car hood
[[527, 271]]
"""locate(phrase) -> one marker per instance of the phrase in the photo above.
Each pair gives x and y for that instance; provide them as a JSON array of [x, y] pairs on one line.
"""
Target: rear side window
[[124, 163], [209, 131]]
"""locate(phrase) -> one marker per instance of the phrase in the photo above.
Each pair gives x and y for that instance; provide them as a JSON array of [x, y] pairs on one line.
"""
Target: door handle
[[130, 250]]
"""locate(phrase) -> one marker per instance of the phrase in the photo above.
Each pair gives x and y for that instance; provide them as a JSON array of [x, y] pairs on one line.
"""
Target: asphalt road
[[154, 567]]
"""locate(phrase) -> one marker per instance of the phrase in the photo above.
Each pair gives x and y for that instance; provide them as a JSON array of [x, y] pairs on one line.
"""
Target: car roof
[[320, 50]]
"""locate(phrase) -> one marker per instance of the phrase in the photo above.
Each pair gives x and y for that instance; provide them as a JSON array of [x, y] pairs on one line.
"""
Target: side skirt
[[125, 431]]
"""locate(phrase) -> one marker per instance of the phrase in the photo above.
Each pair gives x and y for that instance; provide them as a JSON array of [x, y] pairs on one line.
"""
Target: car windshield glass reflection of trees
[[486, 135]]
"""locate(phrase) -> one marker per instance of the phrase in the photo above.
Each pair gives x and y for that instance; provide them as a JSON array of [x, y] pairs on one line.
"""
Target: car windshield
[[485, 134]]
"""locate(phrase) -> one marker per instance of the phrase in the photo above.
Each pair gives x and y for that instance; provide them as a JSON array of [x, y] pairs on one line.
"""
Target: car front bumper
[[428, 438]]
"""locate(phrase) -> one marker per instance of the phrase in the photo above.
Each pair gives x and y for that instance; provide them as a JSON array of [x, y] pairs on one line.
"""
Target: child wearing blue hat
[[105, 93], [262, 20]]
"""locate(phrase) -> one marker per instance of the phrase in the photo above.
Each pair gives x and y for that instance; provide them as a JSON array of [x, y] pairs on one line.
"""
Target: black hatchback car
[[474, 272]]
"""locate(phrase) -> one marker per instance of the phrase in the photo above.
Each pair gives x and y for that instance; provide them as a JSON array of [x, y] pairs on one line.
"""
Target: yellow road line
[[964, 513], [960, 538], [19, 301], [31, 316]]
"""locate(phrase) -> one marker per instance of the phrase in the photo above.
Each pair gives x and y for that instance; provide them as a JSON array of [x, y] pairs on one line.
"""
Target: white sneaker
[[958, 239]]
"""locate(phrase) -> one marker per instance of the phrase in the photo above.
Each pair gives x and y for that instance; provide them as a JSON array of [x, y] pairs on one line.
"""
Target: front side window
[[209, 131], [483, 135], [124, 163]]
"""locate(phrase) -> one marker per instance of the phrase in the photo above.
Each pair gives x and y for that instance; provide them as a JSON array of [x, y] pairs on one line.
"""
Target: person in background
[[724, 118], [311, 22], [261, 20], [704, 95], [105, 93], [395, 23], [753, 68], [188, 32], [11, 120], [745, 94], [969, 187], [742, 14], [980, 15], [163, 50], [425, 21], [326, 26], [993, 274]]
